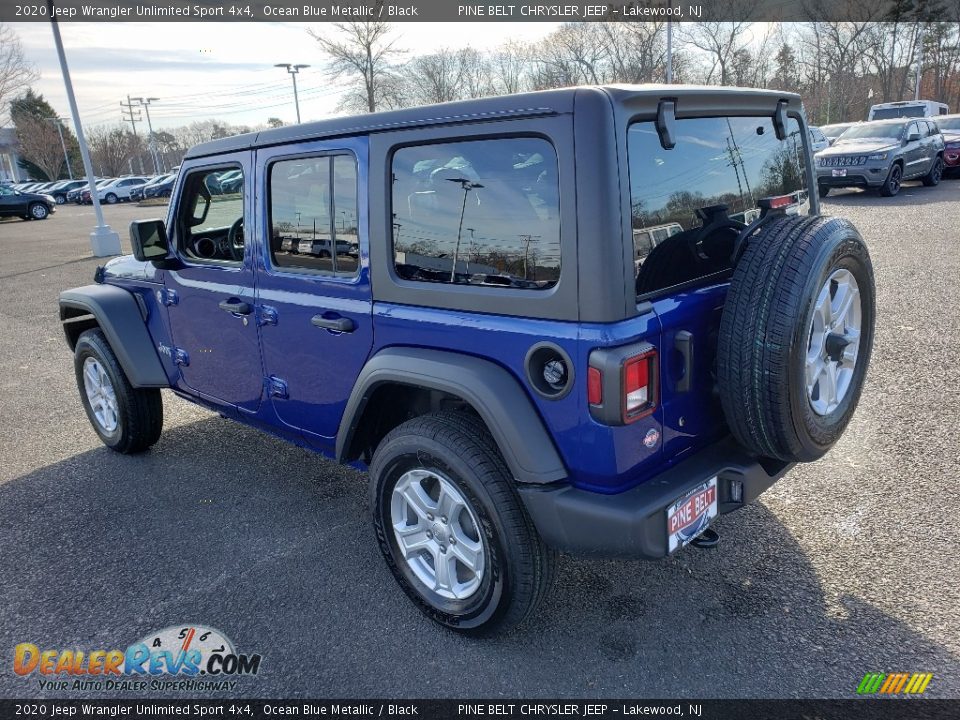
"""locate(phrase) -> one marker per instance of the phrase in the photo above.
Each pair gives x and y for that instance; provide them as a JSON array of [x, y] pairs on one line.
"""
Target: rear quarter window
[[477, 212]]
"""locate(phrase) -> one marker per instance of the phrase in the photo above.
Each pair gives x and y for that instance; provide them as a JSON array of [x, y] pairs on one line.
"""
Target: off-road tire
[[935, 175], [140, 410], [765, 331], [823, 190], [519, 566]]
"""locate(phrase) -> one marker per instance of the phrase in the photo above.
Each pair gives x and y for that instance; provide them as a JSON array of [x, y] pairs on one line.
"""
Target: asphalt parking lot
[[848, 565]]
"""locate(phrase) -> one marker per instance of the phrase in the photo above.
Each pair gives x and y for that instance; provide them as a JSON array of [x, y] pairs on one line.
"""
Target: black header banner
[[465, 10], [501, 709]]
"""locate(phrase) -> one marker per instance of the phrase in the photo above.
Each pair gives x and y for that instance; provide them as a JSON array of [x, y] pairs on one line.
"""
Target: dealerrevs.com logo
[[196, 657]]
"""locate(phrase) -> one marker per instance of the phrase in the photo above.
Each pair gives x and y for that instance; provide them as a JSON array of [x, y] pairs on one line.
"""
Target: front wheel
[[127, 419], [451, 525], [39, 211], [936, 173], [823, 190], [891, 186]]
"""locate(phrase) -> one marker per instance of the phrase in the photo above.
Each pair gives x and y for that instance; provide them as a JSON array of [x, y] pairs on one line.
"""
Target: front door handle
[[237, 307], [340, 324]]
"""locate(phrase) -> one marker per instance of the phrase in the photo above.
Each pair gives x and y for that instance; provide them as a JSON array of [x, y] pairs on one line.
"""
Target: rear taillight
[[622, 383], [638, 386]]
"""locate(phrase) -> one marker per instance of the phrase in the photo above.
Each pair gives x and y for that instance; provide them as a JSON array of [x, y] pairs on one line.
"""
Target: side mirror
[[149, 240], [913, 137]]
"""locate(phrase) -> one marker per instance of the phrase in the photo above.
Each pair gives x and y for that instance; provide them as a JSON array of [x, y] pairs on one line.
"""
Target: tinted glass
[[874, 130], [479, 212], [729, 162], [312, 228], [896, 112], [949, 124]]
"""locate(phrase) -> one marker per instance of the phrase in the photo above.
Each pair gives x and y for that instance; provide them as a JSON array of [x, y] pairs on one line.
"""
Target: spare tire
[[796, 336]]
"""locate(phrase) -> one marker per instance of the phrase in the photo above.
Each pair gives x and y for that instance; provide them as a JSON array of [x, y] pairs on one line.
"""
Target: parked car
[[881, 155], [907, 109], [818, 141], [119, 190], [513, 383], [85, 198], [950, 129], [60, 191], [832, 132], [161, 189], [139, 191], [29, 206]]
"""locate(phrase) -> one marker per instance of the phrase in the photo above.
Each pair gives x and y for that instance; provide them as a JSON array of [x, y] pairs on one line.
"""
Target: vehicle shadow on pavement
[[912, 194], [222, 526]]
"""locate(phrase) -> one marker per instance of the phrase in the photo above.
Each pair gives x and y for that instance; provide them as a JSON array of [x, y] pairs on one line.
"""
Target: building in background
[[8, 155]]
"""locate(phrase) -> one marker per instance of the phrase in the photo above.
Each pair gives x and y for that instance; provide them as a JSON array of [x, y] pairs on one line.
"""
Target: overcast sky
[[216, 70]]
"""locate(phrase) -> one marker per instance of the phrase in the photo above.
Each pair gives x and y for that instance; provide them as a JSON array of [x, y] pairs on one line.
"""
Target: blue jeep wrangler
[[587, 320]]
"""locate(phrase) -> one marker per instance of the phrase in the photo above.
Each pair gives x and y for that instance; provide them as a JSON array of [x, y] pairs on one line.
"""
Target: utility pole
[[129, 117], [145, 104], [916, 91], [66, 156], [293, 70], [669, 52], [103, 240]]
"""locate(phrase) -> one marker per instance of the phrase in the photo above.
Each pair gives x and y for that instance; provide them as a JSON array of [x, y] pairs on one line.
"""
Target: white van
[[907, 108]]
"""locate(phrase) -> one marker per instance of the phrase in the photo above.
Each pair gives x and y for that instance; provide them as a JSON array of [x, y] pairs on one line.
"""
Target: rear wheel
[[936, 173], [111, 198], [452, 528], [127, 419], [823, 190], [891, 186], [796, 336]]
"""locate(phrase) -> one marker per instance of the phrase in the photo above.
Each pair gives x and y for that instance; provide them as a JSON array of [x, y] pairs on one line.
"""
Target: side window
[[478, 212], [314, 216], [210, 221]]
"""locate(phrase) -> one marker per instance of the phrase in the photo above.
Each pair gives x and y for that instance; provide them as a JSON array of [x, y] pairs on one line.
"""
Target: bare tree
[[16, 73], [111, 149], [573, 54], [508, 68], [636, 52], [40, 144], [434, 78], [362, 51], [721, 42]]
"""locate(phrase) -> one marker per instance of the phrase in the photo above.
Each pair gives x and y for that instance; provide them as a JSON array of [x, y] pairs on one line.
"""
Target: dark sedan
[[29, 206]]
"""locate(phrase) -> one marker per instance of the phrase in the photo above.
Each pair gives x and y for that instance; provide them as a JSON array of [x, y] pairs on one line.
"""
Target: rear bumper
[[633, 524]]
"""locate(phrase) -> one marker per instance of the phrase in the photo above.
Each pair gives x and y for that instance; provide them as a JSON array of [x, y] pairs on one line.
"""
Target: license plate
[[691, 515], [839, 172]]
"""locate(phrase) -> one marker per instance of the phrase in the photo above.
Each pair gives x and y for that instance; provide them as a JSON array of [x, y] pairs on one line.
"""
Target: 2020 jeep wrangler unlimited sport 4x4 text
[[465, 299]]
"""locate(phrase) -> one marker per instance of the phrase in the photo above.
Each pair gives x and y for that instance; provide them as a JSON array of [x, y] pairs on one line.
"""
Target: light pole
[[145, 103], [56, 121], [293, 70], [103, 240], [467, 187]]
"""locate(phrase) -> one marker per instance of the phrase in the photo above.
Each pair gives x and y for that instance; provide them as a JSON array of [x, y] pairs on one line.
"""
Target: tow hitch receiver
[[709, 538]]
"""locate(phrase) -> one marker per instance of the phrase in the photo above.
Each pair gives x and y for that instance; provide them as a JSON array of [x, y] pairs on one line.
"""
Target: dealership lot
[[847, 566]]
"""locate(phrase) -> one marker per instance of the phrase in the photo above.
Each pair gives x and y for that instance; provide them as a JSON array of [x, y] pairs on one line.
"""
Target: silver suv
[[881, 155]]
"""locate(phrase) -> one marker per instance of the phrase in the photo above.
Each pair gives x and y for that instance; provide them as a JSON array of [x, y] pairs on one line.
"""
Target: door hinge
[[268, 315], [167, 296], [277, 388]]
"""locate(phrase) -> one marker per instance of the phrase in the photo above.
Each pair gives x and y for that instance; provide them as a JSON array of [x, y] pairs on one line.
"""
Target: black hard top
[[546, 102]]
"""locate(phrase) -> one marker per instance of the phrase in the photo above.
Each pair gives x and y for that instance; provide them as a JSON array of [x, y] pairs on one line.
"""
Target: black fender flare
[[491, 390], [123, 321]]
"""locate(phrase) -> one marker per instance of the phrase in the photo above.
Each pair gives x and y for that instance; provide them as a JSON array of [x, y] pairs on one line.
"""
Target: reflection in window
[[212, 217], [312, 228], [719, 167], [481, 212]]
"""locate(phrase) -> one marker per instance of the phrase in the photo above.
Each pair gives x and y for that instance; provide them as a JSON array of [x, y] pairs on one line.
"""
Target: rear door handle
[[683, 343], [237, 307], [340, 324]]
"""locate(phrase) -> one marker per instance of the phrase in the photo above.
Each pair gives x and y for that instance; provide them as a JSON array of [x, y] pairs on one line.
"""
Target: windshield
[[898, 112], [892, 131], [948, 124], [835, 130], [718, 165]]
